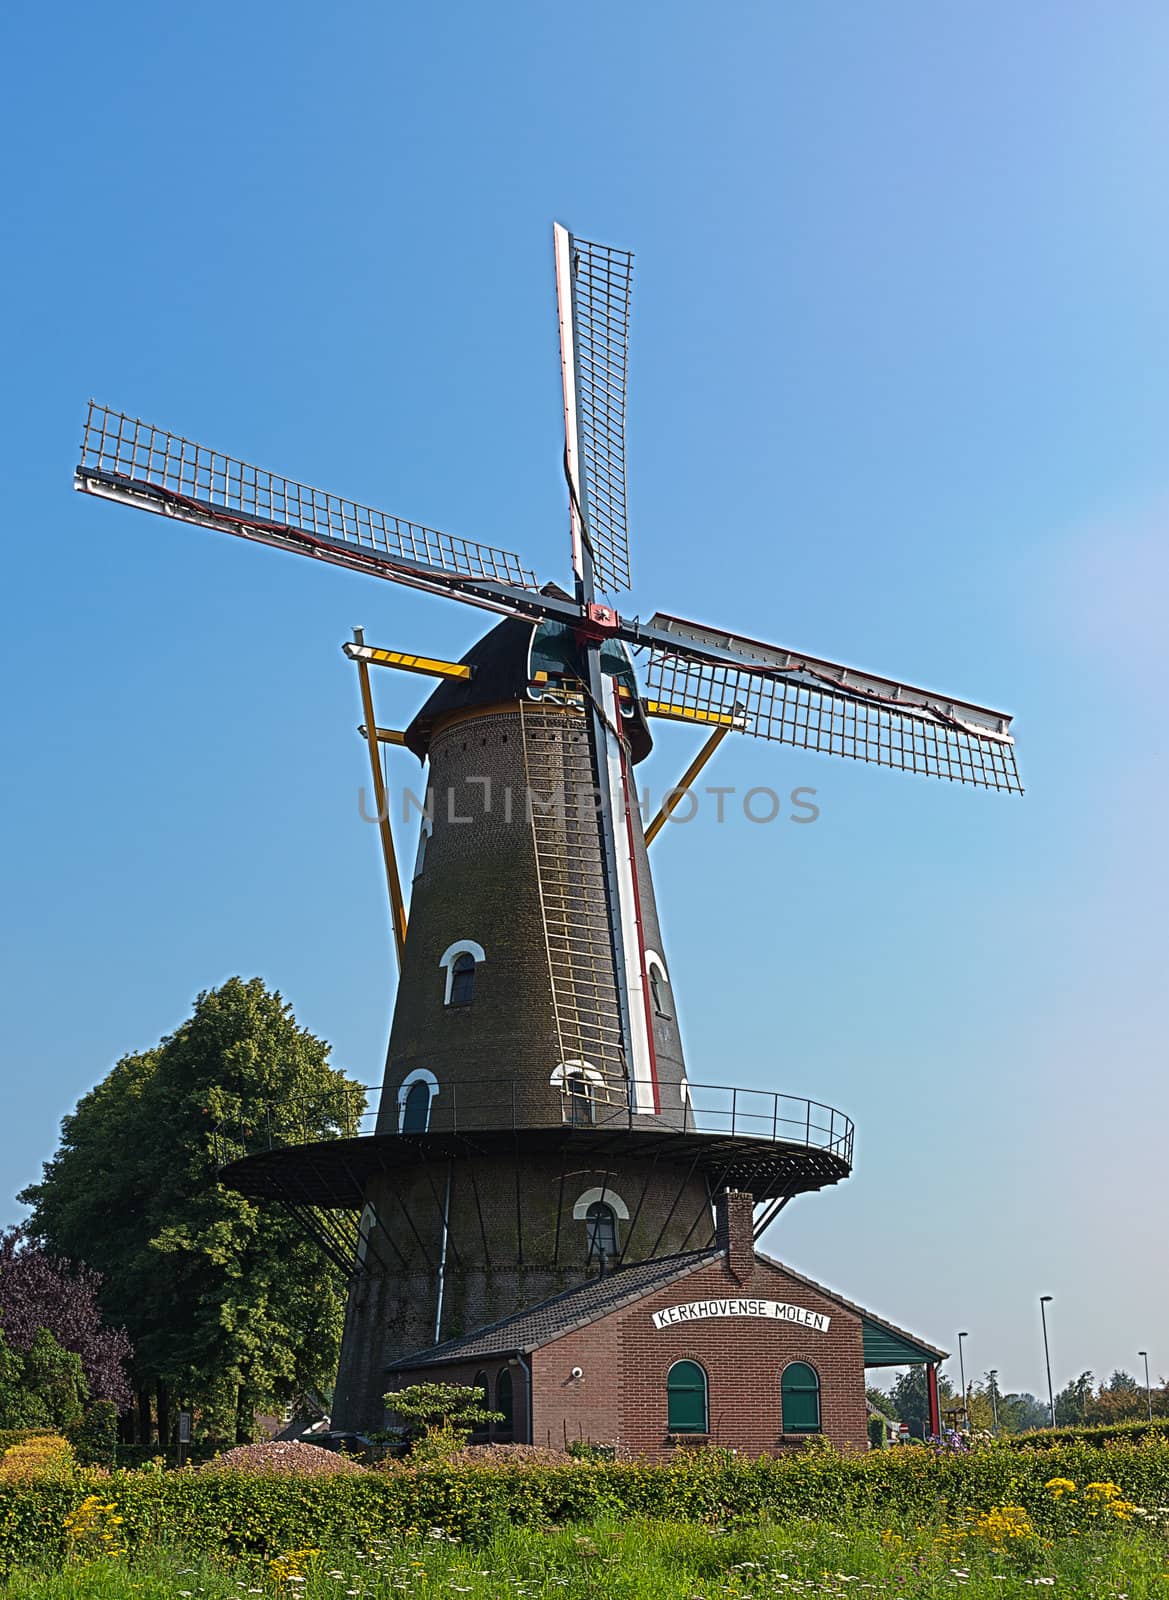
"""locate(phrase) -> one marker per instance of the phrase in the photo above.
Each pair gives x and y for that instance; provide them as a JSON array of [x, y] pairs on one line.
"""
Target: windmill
[[556, 677]]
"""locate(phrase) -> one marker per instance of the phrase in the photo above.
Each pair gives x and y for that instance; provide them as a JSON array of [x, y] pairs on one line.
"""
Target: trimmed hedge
[[1093, 1433], [139, 1455], [11, 1436], [239, 1513]]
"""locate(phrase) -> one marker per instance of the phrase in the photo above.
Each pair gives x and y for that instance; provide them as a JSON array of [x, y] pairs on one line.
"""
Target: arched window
[[365, 1228], [503, 1400], [483, 1384], [424, 833], [579, 1091], [686, 1408], [416, 1094], [416, 1108], [462, 980], [459, 963], [578, 1080], [601, 1222], [800, 1390], [659, 983]]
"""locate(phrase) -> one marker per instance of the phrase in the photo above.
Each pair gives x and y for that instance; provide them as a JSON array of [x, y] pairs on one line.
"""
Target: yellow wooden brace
[[717, 719], [428, 666]]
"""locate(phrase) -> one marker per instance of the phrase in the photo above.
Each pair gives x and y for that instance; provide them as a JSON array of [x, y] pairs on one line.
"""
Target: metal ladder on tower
[[561, 804]]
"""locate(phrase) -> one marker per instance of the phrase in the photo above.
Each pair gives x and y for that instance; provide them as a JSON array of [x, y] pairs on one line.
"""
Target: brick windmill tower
[[536, 1126]]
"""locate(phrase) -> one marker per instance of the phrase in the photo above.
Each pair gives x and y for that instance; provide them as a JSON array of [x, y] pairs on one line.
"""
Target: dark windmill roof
[[501, 663], [539, 1324]]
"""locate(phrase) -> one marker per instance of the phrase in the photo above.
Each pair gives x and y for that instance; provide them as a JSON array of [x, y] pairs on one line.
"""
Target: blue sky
[[899, 395]]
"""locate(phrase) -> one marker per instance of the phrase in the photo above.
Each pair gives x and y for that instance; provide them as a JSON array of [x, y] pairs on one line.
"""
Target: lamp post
[[1044, 1302], [1148, 1390], [962, 1371]]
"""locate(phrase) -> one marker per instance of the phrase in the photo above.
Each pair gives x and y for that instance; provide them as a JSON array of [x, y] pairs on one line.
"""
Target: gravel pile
[[286, 1457]]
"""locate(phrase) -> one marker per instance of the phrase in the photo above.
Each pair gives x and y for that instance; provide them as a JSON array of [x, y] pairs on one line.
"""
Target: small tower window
[[601, 1222], [579, 1093], [659, 983], [416, 1108], [462, 980], [416, 1094], [686, 1407], [459, 963], [424, 833], [578, 1082], [655, 989], [800, 1388]]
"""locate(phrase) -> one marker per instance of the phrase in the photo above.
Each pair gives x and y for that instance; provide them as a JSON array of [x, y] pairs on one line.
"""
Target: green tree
[[231, 1309], [43, 1388], [1121, 1399], [911, 1399], [883, 1402], [1072, 1402], [444, 1414], [1017, 1412]]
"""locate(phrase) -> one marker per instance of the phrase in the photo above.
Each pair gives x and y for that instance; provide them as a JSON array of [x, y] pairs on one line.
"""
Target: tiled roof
[[541, 1323]]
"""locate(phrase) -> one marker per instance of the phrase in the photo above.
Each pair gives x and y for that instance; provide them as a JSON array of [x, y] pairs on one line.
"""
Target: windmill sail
[[594, 283], [126, 459], [820, 705]]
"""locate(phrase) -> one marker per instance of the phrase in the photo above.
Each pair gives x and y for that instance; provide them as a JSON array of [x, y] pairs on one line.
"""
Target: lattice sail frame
[[602, 282], [191, 481], [798, 707]]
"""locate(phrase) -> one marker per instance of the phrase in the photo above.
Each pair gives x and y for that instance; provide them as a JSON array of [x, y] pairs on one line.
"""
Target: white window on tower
[[601, 1211], [416, 1094], [424, 834], [659, 984], [580, 1082], [461, 961]]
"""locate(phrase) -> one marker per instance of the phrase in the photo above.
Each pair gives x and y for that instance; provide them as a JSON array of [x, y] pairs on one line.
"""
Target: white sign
[[773, 1310]]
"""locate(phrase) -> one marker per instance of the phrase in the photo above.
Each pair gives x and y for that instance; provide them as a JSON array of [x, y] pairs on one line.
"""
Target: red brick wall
[[624, 1360]]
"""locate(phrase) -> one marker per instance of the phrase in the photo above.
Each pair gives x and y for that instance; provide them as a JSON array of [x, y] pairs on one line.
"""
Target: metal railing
[[519, 1105]]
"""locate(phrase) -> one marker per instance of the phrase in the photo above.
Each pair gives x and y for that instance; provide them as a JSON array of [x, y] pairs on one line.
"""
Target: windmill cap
[[501, 660]]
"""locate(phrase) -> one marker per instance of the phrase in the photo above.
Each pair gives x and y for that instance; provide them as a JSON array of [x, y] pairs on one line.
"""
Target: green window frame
[[800, 1394], [686, 1398]]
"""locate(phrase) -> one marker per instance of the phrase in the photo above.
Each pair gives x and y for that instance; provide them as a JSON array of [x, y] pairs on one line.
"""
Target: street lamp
[[1148, 1391], [1044, 1301], [962, 1371]]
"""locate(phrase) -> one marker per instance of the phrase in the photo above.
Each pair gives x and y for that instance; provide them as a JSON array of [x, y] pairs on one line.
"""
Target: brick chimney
[[734, 1232]]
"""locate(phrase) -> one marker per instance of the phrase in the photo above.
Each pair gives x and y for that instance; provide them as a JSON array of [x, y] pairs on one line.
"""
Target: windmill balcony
[[751, 1138]]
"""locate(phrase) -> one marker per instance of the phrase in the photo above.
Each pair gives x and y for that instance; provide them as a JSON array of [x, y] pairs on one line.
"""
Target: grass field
[[648, 1561]]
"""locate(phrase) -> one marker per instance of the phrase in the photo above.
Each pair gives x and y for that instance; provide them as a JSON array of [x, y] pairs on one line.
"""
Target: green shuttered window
[[686, 1398], [801, 1398]]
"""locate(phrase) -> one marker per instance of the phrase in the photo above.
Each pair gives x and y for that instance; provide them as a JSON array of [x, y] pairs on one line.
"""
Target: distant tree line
[[1082, 1402], [229, 1309]]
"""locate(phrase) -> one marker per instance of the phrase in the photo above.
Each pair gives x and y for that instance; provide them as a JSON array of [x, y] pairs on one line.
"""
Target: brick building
[[722, 1345]]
